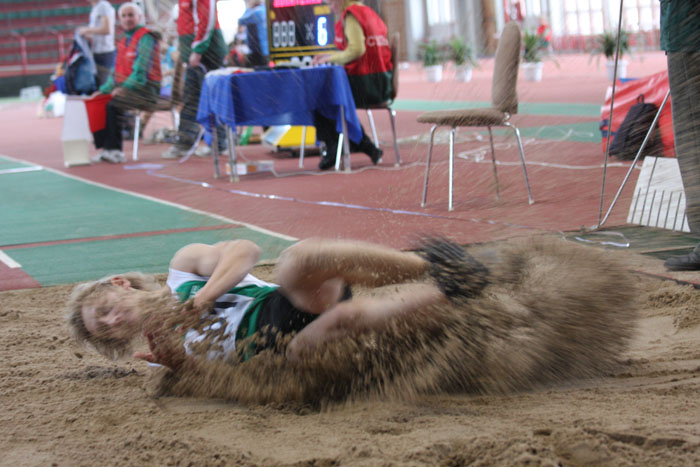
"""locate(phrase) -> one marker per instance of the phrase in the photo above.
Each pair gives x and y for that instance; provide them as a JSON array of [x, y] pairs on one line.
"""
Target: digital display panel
[[299, 29], [288, 3]]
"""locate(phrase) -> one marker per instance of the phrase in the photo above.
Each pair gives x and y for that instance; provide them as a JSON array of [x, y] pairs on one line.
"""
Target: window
[[439, 11]]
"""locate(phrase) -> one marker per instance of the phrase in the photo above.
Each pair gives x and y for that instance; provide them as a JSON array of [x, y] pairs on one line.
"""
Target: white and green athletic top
[[237, 310]]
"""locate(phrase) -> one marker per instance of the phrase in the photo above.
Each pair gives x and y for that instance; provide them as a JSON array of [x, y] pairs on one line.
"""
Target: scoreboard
[[299, 29]]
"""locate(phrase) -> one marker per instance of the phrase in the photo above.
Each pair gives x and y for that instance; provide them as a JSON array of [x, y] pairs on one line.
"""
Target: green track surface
[[584, 132], [43, 206], [75, 262], [528, 108]]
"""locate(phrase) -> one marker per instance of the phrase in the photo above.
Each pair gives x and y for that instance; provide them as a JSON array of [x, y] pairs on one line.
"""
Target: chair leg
[[176, 118], [339, 151], [427, 166], [452, 167], [397, 157], [522, 160], [214, 146], [232, 158], [493, 162], [137, 130], [373, 127], [303, 147]]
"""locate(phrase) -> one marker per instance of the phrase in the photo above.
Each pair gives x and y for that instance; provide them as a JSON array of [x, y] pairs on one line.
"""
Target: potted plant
[[463, 59], [433, 56], [532, 56], [606, 44]]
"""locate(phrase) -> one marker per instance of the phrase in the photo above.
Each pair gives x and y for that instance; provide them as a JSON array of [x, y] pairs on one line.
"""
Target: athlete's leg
[[313, 272], [363, 314]]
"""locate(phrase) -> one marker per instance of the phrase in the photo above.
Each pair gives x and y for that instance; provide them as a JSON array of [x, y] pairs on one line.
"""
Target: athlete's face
[[111, 316], [129, 18]]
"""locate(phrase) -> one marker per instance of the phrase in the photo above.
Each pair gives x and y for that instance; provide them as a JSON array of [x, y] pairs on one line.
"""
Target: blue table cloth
[[278, 97]]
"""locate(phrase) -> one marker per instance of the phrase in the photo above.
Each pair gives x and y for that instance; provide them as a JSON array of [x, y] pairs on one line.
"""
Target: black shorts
[[278, 317]]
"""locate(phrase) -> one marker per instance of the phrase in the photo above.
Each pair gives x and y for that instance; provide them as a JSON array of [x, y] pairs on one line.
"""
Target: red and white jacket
[[198, 18], [127, 54], [377, 56]]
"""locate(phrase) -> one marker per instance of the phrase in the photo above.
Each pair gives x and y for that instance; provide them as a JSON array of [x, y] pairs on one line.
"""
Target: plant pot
[[433, 73], [463, 73], [621, 69], [532, 71]]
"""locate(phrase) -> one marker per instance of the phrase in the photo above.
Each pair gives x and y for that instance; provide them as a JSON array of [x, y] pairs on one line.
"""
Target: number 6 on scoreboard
[[322, 31]]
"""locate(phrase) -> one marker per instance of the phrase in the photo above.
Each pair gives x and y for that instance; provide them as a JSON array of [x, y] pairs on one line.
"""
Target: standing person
[[255, 22], [202, 48], [680, 38], [135, 81], [100, 31], [364, 51]]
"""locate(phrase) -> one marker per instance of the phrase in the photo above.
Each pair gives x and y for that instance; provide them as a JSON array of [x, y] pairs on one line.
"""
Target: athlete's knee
[[294, 264]]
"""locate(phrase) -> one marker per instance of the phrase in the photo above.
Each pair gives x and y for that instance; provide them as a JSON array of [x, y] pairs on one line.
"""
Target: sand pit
[[66, 406]]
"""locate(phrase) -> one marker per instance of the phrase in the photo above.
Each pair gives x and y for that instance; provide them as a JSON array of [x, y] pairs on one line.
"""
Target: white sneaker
[[98, 157], [173, 152], [203, 151], [114, 156]]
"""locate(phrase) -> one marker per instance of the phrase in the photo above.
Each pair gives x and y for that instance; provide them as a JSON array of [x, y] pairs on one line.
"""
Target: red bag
[[653, 88], [96, 108]]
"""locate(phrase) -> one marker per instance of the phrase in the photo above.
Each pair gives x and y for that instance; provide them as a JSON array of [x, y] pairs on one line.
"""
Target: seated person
[[361, 37], [135, 82]]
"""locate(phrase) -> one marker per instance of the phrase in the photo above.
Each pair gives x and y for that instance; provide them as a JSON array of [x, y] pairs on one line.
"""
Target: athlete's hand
[[195, 59], [165, 349]]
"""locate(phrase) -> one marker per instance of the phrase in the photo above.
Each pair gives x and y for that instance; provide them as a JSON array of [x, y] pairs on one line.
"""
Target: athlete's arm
[[227, 263]]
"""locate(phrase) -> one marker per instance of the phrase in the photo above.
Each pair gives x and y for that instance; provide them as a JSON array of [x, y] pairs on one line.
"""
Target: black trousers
[[684, 81], [194, 78], [111, 136]]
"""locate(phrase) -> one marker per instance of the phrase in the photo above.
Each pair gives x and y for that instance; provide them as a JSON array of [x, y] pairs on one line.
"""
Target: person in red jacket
[[363, 44], [135, 82], [202, 48]]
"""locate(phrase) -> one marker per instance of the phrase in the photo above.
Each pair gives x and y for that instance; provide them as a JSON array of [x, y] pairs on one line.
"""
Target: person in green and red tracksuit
[[202, 48]]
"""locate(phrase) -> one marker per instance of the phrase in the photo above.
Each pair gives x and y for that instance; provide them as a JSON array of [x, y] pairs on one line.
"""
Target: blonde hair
[[86, 293]]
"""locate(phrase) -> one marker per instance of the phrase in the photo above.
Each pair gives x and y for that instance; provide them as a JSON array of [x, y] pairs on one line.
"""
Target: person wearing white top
[[228, 310], [100, 31]]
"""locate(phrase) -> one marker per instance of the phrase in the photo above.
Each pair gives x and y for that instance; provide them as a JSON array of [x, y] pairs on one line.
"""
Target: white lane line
[[11, 263], [21, 170]]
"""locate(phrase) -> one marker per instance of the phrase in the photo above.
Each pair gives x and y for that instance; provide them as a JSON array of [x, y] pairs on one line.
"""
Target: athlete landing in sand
[[312, 300]]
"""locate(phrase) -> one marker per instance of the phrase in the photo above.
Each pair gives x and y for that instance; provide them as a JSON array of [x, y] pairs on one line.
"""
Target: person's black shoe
[[376, 155], [328, 153], [689, 262], [367, 146], [326, 163]]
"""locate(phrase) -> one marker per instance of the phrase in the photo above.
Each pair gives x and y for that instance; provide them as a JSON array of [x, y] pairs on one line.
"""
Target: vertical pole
[[612, 104]]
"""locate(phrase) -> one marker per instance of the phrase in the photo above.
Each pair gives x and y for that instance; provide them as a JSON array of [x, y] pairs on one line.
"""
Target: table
[[278, 97]]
